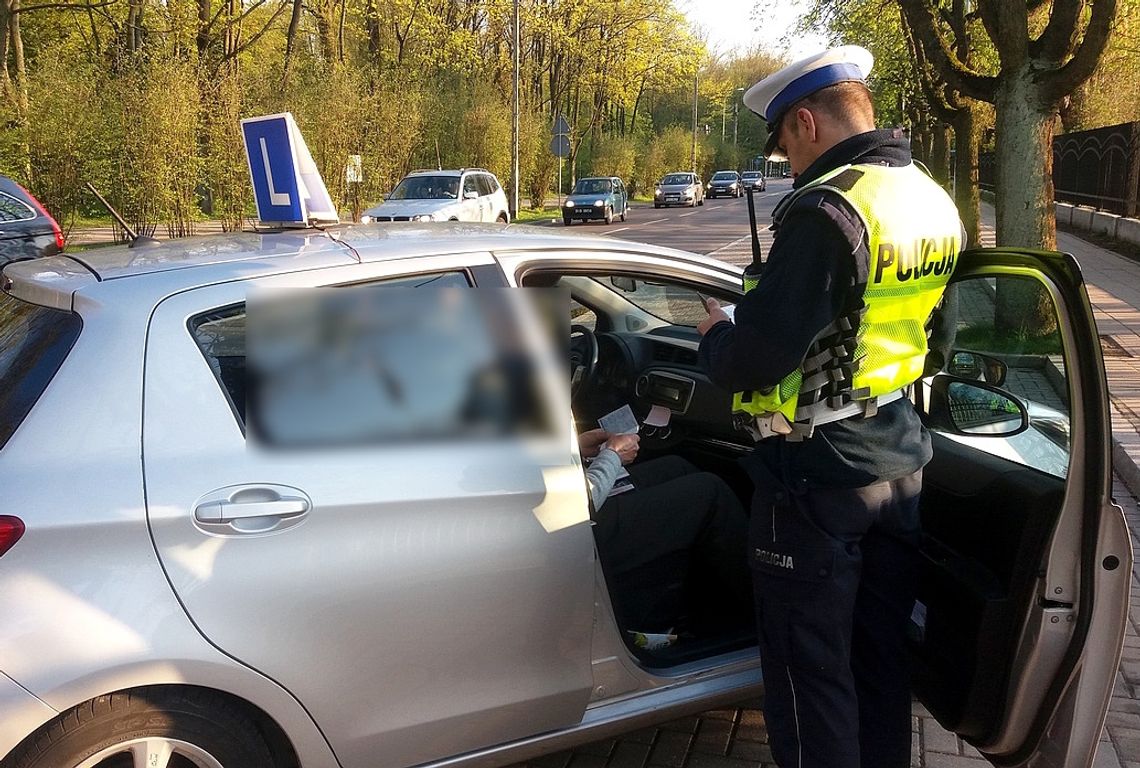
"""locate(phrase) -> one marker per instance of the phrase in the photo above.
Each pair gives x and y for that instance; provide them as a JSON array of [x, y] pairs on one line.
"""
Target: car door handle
[[228, 511]]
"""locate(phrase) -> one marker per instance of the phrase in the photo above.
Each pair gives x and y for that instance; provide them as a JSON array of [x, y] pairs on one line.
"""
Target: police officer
[[822, 352]]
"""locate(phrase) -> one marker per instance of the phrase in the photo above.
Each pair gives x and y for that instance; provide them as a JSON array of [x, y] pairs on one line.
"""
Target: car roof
[[446, 171], [729, 171], [177, 265], [752, 173]]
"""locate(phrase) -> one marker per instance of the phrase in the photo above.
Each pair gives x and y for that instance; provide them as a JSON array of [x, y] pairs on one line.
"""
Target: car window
[[426, 188], [470, 185], [582, 315], [485, 184], [1005, 335], [12, 209], [404, 358], [34, 341], [592, 187], [675, 304]]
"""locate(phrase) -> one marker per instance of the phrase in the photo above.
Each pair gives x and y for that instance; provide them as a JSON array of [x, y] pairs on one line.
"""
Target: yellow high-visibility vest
[[866, 358]]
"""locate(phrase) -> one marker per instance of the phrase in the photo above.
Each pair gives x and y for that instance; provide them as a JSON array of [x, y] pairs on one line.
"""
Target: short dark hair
[[848, 103]]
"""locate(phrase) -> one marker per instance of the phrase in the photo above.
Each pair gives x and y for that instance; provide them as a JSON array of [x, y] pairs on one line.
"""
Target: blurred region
[[372, 364]]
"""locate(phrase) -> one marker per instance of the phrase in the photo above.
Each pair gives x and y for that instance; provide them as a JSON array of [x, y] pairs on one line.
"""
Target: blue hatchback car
[[600, 197]]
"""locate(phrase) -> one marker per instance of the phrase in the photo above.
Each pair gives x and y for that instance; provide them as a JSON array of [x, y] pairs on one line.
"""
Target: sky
[[730, 25]]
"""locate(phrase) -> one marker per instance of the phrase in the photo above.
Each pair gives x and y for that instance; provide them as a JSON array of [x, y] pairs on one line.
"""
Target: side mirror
[[976, 366], [470, 195], [972, 408], [627, 284]]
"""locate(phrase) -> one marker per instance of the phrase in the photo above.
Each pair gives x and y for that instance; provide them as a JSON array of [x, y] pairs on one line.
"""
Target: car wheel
[[503, 218], [567, 220], [701, 201], [144, 727], [625, 212], [609, 217], [657, 205]]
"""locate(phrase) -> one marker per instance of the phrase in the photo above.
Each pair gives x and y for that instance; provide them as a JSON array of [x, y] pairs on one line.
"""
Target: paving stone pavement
[[734, 738]]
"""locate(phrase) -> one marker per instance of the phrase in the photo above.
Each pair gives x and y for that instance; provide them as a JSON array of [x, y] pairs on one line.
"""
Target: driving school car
[[319, 600], [323, 503]]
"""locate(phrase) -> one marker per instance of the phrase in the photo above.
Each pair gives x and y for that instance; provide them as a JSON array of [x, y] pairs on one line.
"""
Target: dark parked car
[[26, 229]]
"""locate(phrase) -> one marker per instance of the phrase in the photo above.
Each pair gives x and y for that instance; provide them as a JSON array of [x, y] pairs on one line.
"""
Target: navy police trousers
[[834, 578]]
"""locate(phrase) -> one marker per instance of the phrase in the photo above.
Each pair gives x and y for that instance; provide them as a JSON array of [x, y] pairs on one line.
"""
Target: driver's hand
[[625, 446], [716, 315], [589, 443]]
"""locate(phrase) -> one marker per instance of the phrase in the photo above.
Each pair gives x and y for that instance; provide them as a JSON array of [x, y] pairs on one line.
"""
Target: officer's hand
[[625, 446], [716, 315], [589, 443]]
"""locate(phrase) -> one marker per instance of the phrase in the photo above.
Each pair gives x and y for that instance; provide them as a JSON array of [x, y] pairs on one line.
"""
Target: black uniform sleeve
[[807, 282]]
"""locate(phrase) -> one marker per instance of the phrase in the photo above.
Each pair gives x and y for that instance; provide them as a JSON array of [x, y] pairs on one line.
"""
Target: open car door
[[1024, 599]]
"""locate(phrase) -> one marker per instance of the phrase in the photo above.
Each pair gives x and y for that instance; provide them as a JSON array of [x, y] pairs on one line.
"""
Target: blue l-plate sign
[[286, 185]]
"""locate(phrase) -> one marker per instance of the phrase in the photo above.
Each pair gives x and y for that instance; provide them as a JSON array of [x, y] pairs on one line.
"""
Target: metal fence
[[1098, 168]]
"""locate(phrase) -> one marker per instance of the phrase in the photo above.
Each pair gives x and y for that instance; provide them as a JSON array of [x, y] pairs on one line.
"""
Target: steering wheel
[[583, 358]]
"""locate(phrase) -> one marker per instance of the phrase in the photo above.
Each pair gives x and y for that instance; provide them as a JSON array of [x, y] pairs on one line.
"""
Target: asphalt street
[[718, 228]]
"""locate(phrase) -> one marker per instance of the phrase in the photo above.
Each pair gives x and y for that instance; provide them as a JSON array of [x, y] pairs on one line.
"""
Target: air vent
[[677, 355]]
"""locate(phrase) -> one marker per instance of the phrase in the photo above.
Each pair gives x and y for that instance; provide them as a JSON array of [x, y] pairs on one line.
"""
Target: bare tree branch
[[62, 6], [921, 19], [1088, 56], [1060, 35]]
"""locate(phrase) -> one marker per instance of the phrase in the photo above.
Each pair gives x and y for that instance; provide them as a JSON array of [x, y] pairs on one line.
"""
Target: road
[[718, 228]]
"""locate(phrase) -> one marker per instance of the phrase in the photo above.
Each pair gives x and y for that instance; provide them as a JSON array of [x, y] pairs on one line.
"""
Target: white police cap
[[771, 97]]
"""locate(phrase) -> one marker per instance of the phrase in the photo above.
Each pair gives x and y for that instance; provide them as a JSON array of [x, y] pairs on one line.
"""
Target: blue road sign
[[286, 185]]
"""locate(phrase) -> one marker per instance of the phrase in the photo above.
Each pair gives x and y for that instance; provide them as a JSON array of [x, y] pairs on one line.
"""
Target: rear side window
[[487, 185], [34, 341], [12, 209]]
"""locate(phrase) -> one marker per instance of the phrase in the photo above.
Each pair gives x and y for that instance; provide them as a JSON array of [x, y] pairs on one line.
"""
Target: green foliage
[[615, 156]]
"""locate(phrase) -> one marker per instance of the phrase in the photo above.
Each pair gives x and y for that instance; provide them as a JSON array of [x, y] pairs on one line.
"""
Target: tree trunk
[[1133, 183], [5, 80], [291, 40], [1024, 159], [16, 41], [966, 142], [939, 164]]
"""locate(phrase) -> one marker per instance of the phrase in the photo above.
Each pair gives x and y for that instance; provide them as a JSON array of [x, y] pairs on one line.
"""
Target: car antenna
[[137, 240], [756, 262]]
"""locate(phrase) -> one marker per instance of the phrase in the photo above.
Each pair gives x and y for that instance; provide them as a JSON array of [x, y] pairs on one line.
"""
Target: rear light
[[54, 224], [11, 529]]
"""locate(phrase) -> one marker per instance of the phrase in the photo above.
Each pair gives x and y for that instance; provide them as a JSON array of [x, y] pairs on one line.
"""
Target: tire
[[625, 212], [701, 201], [207, 728], [657, 205], [609, 216], [567, 220], [503, 218]]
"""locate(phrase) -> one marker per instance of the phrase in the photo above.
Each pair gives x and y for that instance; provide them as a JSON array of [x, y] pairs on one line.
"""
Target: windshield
[[593, 186], [426, 188], [751, 174], [725, 176], [677, 178]]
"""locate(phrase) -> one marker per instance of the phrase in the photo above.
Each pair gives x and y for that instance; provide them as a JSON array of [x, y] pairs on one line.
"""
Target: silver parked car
[[286, 499], [679, 189]]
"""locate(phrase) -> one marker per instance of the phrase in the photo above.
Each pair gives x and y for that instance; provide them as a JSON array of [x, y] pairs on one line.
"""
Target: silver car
[[679, 189], [300, 499]]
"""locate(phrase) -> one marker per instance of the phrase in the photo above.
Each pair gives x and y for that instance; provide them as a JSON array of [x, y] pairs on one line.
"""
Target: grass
[[989, 339], [531, 215]]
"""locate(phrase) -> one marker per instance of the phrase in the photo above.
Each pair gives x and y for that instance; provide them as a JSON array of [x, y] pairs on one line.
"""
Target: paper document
[[620, 422]]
